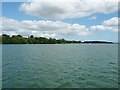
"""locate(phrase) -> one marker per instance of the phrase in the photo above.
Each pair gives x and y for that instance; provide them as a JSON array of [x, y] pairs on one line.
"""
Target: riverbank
[[18, 39]]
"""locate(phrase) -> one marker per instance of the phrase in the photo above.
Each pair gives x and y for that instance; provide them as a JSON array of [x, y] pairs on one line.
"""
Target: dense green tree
[[5, 35], [31, 36], [6, 39], [18, 39]]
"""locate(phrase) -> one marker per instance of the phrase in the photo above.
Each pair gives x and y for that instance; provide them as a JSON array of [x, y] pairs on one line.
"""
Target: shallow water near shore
[[60, 66]]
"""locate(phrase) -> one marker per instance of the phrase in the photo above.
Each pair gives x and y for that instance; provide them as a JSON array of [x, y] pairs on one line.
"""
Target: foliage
[[18, 39]]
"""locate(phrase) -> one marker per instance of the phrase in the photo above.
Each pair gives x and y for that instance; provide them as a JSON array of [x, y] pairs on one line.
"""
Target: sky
[[79, 20]]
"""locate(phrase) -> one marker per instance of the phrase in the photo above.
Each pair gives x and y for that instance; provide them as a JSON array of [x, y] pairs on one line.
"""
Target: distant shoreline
[[60, 43], [18, 39]]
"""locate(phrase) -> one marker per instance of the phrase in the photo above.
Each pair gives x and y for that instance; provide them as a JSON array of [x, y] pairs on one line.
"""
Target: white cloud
[[111, 24], [92, 18], [42, 28], [57, 29], [62, 9]]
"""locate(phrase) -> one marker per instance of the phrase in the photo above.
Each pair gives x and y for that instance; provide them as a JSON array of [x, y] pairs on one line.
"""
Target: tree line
[[19, 39]]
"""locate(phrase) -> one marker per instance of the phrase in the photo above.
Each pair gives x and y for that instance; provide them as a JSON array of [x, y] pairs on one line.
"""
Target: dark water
[[66, 65]]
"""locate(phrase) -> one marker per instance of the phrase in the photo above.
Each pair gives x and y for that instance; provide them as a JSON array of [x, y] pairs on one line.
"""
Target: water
[[60, 66]]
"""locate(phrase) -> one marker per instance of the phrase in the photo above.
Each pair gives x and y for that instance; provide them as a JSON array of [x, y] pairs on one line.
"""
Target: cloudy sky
[[78, 20]]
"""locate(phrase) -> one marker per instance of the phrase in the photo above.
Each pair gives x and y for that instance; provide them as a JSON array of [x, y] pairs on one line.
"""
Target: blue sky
[[19, 12]]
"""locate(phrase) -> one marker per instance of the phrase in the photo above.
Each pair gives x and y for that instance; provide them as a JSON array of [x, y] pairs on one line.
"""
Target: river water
[[60, 66]]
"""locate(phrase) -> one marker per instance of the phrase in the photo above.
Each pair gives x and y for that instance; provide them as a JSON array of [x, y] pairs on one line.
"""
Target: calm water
[[66, 65]]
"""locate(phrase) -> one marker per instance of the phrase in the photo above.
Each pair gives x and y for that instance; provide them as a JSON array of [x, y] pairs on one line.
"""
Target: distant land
[[19, 39], [98, 42]]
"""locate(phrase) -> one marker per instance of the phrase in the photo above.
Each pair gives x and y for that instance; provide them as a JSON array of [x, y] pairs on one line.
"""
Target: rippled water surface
[[60, 65]]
